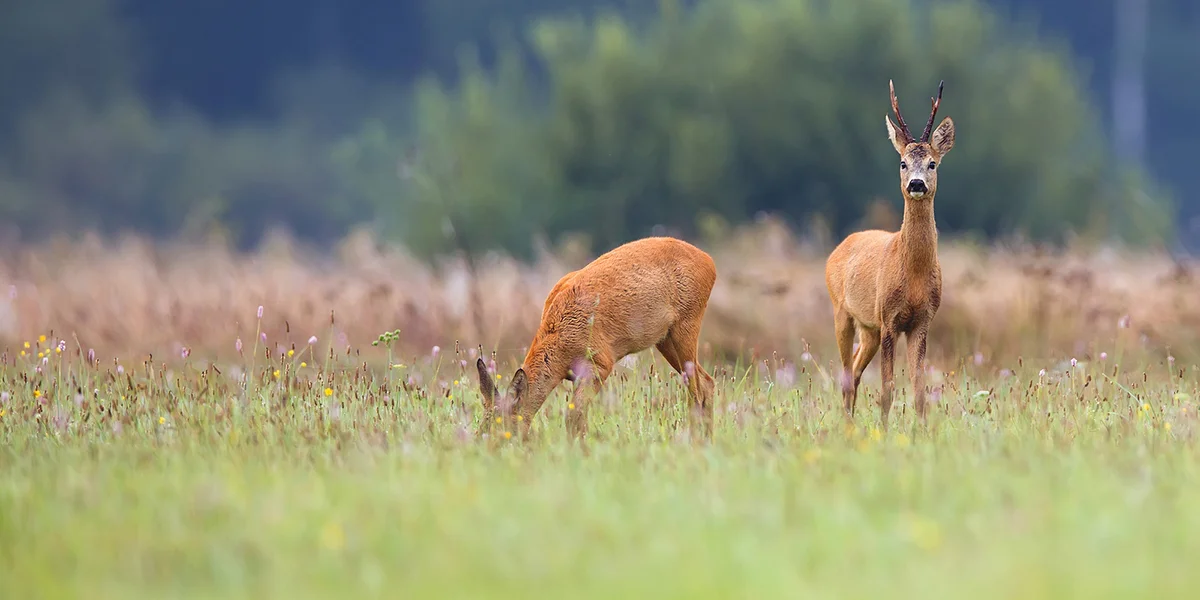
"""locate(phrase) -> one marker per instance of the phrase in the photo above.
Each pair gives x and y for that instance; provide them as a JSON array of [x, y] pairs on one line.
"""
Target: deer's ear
[[894, 134], [942, 138], [486, 386], [519, 385]]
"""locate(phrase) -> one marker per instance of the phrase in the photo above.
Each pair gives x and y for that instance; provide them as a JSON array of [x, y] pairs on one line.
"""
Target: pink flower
[[263, 335], [185, 352], [238, 344], [312, 340], [436, 351], [260, 311], [91, 355]]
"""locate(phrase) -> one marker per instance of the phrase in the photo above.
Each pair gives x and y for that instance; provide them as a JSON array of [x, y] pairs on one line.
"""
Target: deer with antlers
[[885, 284], [649, 292]]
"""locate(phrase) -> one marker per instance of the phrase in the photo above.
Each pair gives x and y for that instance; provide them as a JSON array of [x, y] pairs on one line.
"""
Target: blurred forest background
[[488, 124]]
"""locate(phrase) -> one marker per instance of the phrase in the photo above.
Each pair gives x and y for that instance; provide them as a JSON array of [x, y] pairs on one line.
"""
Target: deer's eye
[[932, 166], [903, 165]]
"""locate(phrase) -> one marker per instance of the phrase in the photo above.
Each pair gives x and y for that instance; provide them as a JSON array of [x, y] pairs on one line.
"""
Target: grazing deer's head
[[919, 159], [500, 408]]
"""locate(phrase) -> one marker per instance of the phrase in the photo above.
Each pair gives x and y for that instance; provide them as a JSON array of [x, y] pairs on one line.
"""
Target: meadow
[[155, 444]]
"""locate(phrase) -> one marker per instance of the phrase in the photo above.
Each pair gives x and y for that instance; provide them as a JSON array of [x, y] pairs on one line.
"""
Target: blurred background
[[552, 130]]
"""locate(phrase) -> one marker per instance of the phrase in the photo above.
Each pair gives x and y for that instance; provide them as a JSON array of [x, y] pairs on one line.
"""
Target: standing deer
[[649, 292], [884, 284]]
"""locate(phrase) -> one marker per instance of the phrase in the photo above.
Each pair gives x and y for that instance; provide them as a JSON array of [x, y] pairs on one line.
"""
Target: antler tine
[[896, 109], [933, 113]]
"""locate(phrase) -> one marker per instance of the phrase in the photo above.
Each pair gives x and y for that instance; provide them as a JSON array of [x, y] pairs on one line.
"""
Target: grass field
[[314, 476]]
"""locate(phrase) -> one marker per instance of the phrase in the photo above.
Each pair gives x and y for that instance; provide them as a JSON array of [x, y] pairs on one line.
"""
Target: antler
[[936, 102], [896, 109]]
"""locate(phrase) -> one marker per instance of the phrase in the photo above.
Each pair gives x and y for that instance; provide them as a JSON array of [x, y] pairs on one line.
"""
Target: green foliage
[[776, 105]]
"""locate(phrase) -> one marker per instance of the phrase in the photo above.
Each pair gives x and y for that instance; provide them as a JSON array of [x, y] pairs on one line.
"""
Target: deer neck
[[918, 235]]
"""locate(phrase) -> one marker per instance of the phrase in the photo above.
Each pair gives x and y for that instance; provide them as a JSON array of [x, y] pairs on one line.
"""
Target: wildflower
[[185, 352], [498, 419], [41, 354], [260, 311], [806, 357], [571, 406], [520, 418], [22, 353], [237, 344], [120, 369], [37, 393], [291, 353], [303, 364], [4, 396], [1146, 407], [27, 345], [328, 392], [1103, 355], [162, 420], [276, 373], [436, 350], [1042, 373], [333, 537], [455, 382], [1167, 426], [507, 435], [263, 335], [41, 339], [1074, 363], [978, 358], [3, 412]]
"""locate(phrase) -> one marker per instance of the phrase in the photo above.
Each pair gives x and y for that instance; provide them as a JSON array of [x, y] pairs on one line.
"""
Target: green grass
[[175, 482]]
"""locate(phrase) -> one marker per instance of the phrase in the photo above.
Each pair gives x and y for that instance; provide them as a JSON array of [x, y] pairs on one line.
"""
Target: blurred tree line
[[485, 124]]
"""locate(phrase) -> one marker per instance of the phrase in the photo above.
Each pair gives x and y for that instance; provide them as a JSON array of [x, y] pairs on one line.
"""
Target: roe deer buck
[[884, 284], [649, 292]]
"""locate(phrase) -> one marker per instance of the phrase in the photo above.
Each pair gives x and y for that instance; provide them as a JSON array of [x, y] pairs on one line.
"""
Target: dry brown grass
[[129, 297]]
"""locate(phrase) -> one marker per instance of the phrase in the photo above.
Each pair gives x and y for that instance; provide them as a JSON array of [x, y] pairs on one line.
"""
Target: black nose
[[917, 185]]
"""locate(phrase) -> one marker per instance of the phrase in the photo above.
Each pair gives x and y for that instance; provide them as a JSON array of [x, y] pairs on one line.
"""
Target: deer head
[[500, 408], [919, 159]]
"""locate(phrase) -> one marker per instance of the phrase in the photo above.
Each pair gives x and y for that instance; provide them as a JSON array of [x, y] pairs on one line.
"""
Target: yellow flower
[[328, 391], [37, 393], [27, 345], [41, 354], [1167, 426], [455, 382], [498, 419], [571, 406], [1146, 407], [333, 537], [57, 350], [41, 339], [303, 364], [499, 376], [23, 352], [162, 420], [3, 412], [291, 353], [276, 373], [507, 435], [520, 418]]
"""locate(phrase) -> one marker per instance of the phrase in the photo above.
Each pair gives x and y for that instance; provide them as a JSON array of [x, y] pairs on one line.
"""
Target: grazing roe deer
[[884, 284], [649, 292]]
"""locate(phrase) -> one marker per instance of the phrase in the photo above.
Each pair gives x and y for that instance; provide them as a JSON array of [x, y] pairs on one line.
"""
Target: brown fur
[[649, 292], [887, 284]]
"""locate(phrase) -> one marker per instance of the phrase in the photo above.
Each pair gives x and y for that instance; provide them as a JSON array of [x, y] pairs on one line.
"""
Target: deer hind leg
[[868, 347], [680, 347], [843, 328]]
